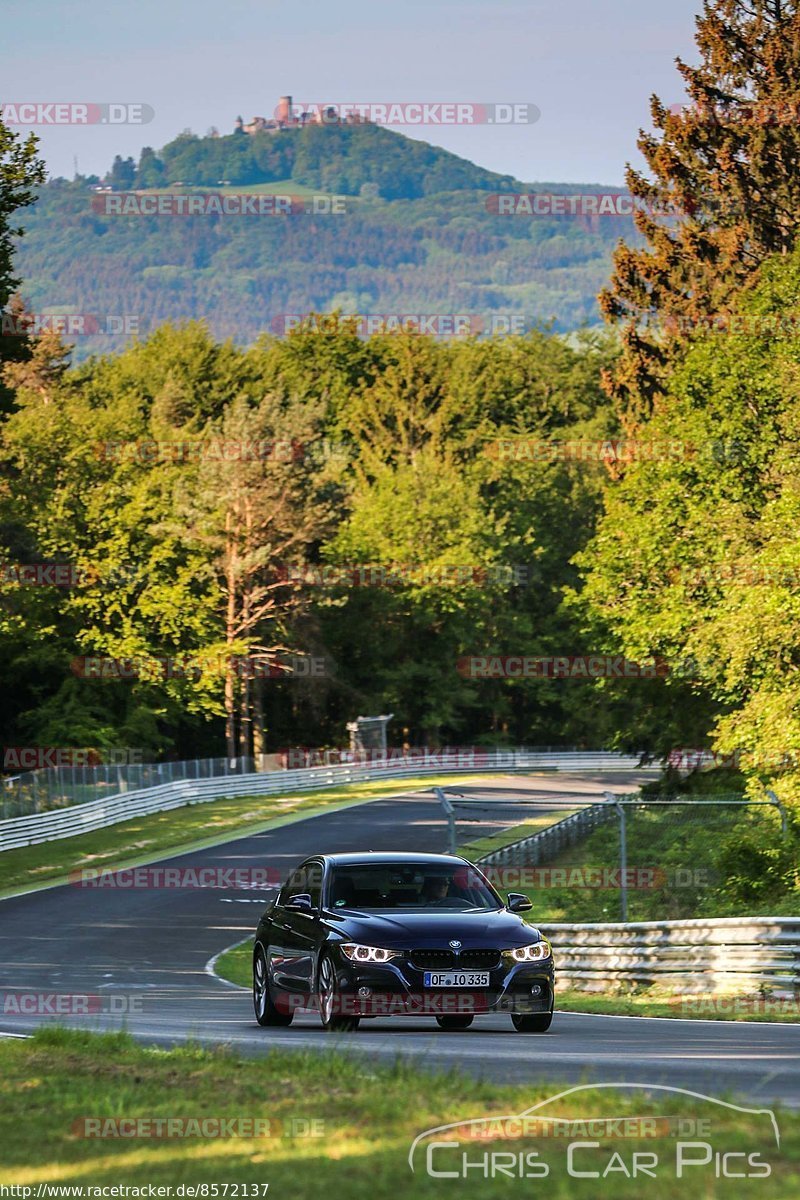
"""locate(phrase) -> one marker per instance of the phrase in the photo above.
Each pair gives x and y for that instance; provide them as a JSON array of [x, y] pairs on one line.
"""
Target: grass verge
[[506, 837], [343, 1126], [144, 839], [656, 1003]]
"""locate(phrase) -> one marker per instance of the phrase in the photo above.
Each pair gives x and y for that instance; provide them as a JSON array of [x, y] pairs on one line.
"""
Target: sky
[[589, 67]]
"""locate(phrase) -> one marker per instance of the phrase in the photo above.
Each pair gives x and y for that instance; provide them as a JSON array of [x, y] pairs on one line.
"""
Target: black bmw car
[[367, 935]]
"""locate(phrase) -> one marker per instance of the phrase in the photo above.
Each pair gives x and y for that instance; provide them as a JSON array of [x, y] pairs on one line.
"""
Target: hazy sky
[[589, 65]]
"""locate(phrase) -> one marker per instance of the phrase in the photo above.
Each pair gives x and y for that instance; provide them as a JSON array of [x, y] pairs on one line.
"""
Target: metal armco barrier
[[719, 955], [97, 814], [531, 850]]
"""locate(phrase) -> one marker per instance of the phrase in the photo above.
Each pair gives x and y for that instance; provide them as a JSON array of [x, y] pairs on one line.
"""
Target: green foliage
[[329, 158], [696, 557], [186, 555]]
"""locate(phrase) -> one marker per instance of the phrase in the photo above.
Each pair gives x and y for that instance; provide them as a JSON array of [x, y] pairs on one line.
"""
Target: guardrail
[[720, 955], [62, 786], [97, 814], [531, 850]]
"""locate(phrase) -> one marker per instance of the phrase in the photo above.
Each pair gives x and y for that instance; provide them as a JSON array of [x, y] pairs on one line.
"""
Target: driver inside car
[[435, 888]]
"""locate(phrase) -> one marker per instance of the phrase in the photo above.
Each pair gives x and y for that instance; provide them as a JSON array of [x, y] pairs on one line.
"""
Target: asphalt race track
[[148, 950]]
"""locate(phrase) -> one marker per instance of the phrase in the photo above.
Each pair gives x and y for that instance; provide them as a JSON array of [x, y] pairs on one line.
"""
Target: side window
[[294, 886], [306, 880], [314, 882]]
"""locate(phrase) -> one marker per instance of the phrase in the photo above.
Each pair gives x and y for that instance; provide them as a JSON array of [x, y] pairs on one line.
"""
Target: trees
[[21, 171], [696, 557], [255, 504], [122, 173], [729, 164], [150, 172]]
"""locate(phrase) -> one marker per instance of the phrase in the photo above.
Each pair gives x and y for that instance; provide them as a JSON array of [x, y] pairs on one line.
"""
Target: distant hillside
[[417, 237], [331, 158]]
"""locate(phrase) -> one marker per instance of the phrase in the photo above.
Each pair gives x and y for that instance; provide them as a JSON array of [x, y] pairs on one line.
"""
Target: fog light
[[365, 991], [536, 990]]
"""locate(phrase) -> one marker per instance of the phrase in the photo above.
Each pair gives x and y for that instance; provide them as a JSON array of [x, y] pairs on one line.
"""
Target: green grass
[[145, 838], [235, 965], [487, 845], [365, 1117], [655, 1002]]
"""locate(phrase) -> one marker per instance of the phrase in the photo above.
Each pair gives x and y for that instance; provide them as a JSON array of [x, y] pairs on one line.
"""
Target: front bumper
[[397, 988]]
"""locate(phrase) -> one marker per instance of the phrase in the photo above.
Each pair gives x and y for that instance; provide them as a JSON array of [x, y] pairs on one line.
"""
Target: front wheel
[[330, 1001], [454, 1022], [532, 1022], [266, 1012]]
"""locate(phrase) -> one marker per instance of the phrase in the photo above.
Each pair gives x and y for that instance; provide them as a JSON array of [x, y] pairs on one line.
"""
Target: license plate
[[454, 979]]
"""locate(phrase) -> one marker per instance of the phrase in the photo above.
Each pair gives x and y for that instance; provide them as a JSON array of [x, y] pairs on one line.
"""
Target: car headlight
[[534, 953], [368, 954]]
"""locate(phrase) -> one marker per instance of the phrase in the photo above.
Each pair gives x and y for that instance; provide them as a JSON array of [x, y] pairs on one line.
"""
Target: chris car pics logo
[[707, 1140]]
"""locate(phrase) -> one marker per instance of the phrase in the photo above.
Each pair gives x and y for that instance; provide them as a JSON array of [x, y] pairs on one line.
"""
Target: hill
[[418, 237]]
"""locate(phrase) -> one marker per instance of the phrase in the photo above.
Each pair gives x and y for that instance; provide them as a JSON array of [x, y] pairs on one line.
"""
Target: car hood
[[404, 930]]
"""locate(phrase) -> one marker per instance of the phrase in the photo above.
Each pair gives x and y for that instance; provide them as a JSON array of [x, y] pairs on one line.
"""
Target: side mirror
[[300, 903], [518, 903]]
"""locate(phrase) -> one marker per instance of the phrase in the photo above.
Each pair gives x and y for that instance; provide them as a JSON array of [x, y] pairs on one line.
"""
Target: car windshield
[[422, 886]]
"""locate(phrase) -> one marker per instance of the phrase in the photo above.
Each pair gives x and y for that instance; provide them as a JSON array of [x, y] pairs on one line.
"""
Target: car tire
[[532, 1022], [332, 1021], [265, 1010], [454, 1022]]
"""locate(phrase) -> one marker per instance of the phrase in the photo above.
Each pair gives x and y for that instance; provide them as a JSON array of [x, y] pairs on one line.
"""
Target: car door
[[297, 929]]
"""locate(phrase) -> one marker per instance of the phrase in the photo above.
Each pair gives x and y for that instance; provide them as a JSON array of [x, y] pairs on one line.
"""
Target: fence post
[[623, 855], [782, 811], [451, 818]]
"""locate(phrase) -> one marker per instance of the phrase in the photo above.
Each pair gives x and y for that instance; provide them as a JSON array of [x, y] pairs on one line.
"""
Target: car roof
[[363, 857]]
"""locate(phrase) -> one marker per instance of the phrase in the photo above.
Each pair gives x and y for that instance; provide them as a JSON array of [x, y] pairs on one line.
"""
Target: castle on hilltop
[[286, 118]]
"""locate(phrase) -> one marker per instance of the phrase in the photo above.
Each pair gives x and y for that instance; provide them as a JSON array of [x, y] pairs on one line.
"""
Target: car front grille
[[479, 960], [442, 960], [432, 960]]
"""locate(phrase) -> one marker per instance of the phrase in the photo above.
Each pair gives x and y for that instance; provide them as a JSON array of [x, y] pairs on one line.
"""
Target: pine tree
[[21, 171], [728, 164]]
